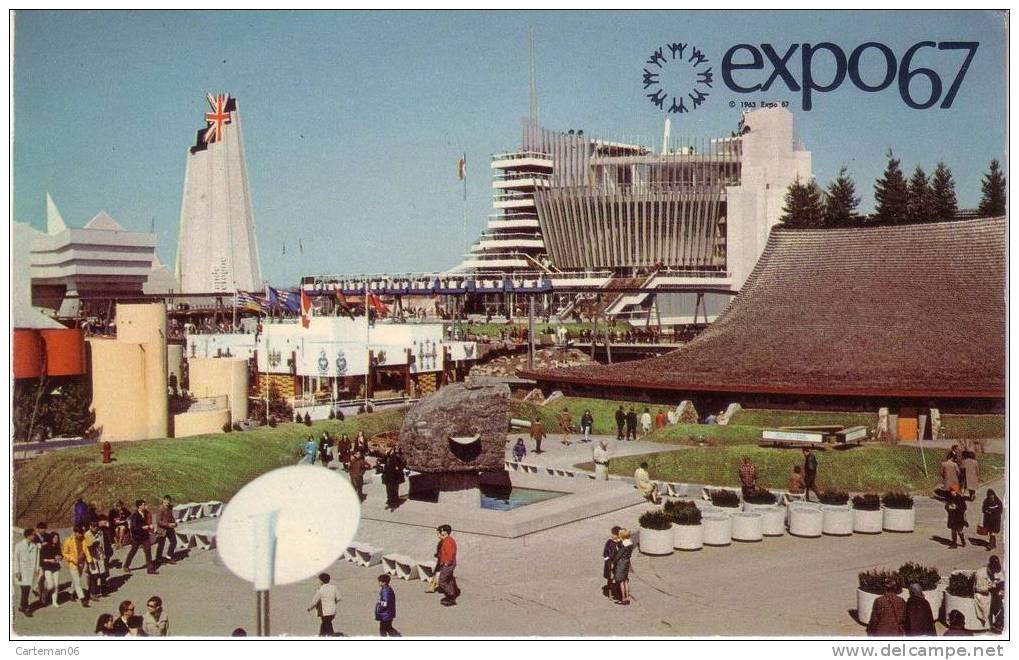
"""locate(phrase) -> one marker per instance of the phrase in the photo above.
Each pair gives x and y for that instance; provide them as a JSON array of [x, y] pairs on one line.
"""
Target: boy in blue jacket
[[385, 608]]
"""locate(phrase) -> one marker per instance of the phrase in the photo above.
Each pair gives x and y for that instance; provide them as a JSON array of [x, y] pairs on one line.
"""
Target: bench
[[400, 566], [212, 509], [426, 571], [194, 510], [363, 554], [204, 541], [181, 512], [184, 541], [550, 471]]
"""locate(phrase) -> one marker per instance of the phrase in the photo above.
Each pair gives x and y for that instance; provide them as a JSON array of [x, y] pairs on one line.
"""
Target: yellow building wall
[[197, 423], [212, 377], [129, 374]]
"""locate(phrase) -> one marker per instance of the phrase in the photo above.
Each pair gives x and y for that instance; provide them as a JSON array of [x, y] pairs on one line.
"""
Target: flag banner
[[461, 168], [376, 303], [247, 302], [305, 309], [271, 297], [290, 301]]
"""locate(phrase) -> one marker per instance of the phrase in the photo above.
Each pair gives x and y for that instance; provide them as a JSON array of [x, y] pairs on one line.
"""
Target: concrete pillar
[[146, 325]]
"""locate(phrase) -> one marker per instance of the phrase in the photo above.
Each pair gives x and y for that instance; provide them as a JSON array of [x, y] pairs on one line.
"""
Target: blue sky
[[353, 121]]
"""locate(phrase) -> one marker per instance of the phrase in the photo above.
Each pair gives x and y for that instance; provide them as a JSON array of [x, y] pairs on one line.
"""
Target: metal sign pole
[[530, 332]]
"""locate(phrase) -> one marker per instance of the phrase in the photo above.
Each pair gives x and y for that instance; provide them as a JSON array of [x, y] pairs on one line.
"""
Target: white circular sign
[[309, 512]]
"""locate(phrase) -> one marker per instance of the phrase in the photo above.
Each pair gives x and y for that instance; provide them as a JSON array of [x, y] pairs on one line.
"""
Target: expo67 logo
[[676, 73]]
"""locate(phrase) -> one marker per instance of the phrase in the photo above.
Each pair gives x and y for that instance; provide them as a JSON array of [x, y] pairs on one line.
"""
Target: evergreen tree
[[891, 193], [943, 202], [992, 203], [803, 207], [69, 410], [921, 197], [841, 201]]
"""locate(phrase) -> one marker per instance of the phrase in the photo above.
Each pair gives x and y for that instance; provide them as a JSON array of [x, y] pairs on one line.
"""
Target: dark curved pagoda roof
[[907, 310]]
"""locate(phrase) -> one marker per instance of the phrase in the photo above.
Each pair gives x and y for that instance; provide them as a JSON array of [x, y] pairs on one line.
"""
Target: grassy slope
[[200, 468], [603, 410], [773, 418], [868, 468]]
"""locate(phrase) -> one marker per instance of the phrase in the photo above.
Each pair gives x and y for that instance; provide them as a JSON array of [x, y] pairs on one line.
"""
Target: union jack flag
[[217, 118]]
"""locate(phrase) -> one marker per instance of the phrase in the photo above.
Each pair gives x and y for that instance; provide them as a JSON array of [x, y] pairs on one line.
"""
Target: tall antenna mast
[[532, 110]]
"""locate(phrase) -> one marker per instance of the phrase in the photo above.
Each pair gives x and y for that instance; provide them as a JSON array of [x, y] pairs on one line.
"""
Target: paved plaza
[[548, 583]]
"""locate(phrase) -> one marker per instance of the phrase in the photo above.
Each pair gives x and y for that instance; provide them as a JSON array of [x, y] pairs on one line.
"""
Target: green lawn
[[876, 468], [977, 427], [603, 410], [712, 434], [776, 418], [196, 469]]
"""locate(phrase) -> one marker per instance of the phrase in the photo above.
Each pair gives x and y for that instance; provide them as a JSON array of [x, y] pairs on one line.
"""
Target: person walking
[[80, 514], [992, 508], [809, 473], [566, 426], [587, 425], [98, 570], [392, 477], [969, 471], [889, 612], [955, 505], [621, 567], [620, 423], [645, 423], [601, 460], [949, 473], [631, 424], [325, 443], [155, 621], [519, 450], [27, 568], [118, 520], [324, 604], [49, 559], [166, 531], [537, 434], [661, 419], [447, 564], [918, 620], [310, 451], [608, 563], [385, 608], [78, 557], [358, 466], [343, 451], [141, 530]]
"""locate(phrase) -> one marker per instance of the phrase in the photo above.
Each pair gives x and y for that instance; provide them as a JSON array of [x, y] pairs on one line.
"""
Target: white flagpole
[[367, 344], [465, 238]]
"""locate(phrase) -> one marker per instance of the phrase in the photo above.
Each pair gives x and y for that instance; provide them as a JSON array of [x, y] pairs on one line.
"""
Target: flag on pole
[[380, 307], [305, 309], [271, 299], [343, 305], [247, 302], [461, 168]]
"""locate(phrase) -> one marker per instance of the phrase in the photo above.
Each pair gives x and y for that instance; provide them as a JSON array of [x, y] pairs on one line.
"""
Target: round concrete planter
[[772, 520], [899, 520], [688, 537], [836, 521], [806, 522], [749, 507], [717, 529], [867, 522], [747, 527], [656, 542], [968, 607], [793, 506], [865, 605]]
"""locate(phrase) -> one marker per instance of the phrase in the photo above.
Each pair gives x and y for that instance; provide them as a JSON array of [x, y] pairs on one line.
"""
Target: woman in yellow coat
[[78, 557]]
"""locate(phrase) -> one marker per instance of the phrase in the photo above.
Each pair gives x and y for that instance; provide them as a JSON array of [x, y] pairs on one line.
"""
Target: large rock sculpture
[[452, 436]]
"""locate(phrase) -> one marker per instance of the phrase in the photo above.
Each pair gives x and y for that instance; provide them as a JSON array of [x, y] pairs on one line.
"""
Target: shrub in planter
[[724, 498], [761, 496], [926, 576], [656, 536], [833, 496], [897, 500], [655, 519], [867, 502], [873, 581], [683, 512], [960, 585], [226, 427]]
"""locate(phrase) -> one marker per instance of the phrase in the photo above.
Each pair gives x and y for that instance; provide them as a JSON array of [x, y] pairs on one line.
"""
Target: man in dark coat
[[608, 554], [392, 477], [955, 505], [889, 612], [385, 608], [631, 424], [809, 473], [141, 528], [358, 466], [919, 618], [620, 423]]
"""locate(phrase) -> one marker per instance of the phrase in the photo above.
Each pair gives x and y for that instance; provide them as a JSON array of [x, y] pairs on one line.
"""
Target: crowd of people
[[960, 478], [88, 553], [353, 457]]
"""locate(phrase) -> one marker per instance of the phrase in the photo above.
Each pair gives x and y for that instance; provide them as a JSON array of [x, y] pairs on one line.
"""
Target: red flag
[[305, 309], [378, 305]]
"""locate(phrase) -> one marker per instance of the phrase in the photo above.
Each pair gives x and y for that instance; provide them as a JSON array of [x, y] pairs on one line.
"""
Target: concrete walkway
[[548, 583]]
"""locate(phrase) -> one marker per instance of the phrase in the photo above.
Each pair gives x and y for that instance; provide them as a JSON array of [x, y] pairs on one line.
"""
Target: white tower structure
[[216, 246]]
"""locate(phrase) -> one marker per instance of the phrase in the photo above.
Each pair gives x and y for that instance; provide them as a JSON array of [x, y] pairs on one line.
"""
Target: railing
[[521, 155], [513, 197], [516, 176], [527, 215]]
